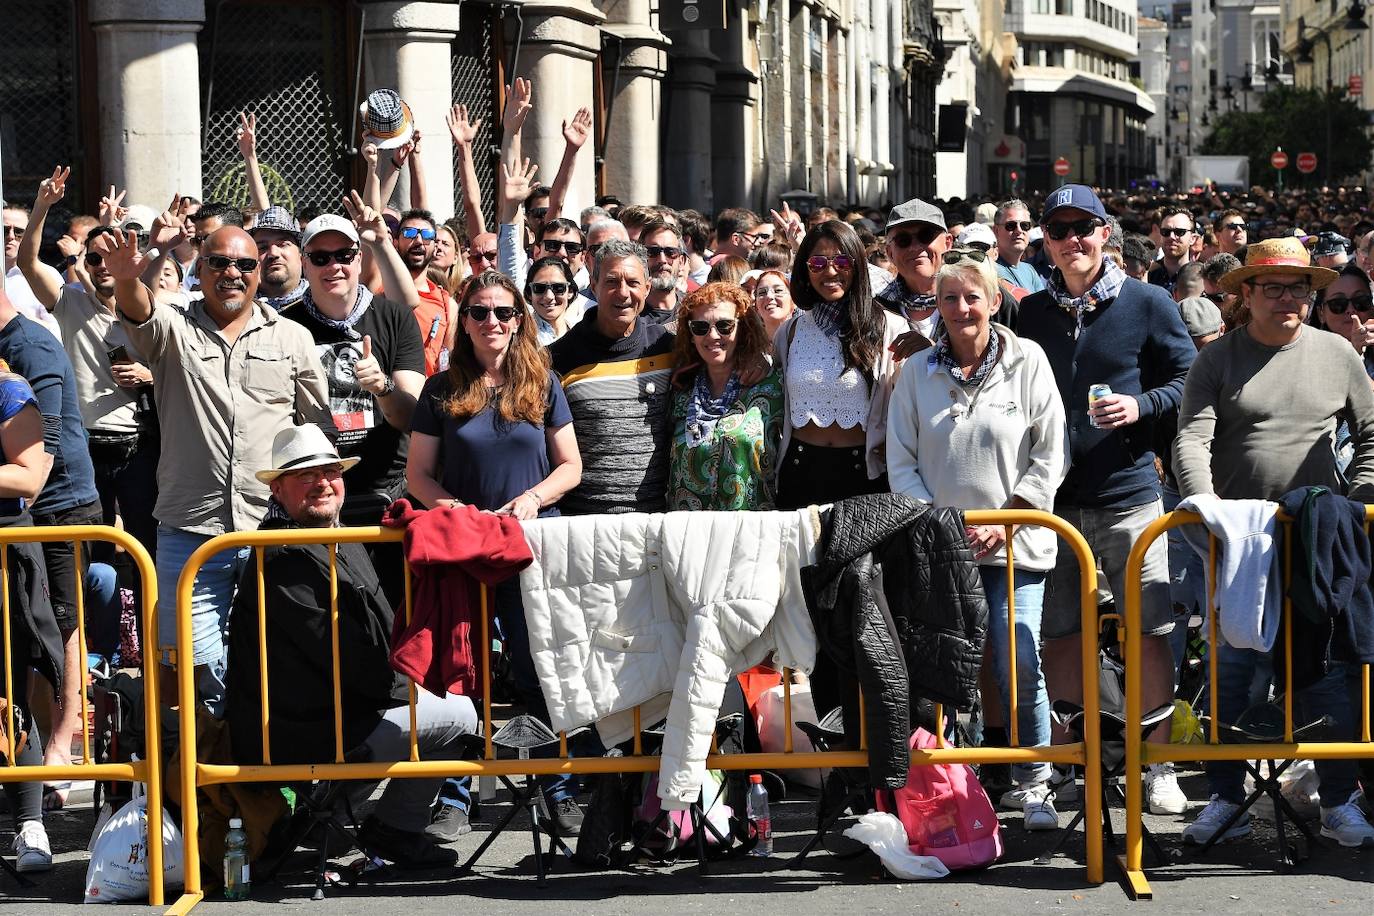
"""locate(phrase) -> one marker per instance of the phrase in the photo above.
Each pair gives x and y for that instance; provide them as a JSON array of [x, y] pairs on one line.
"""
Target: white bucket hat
[[299, 447]]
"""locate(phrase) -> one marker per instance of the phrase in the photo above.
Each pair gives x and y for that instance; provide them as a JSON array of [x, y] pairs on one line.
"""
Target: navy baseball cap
[[1075, 196]]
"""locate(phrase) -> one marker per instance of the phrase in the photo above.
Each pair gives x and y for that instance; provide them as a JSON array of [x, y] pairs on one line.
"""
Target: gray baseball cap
[[915, 211], [1200, 316], [278, 219]]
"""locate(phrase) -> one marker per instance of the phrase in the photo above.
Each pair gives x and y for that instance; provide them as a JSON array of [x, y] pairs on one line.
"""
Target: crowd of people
[[210, 368]]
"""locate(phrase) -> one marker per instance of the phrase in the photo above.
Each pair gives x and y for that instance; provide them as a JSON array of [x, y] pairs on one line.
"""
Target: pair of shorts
[[1110, 533], [62, 563]]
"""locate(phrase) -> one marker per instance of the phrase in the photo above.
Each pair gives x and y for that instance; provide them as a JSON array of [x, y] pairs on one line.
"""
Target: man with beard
[[436, 314], [278, 237], [663, 243], [230, 373], [1176, 233]]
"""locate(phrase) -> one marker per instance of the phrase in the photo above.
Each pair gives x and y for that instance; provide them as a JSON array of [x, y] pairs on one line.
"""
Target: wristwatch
[[388, 387]]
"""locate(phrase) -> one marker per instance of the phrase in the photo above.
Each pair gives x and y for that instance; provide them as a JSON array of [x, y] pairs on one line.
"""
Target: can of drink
[[1096, 392]]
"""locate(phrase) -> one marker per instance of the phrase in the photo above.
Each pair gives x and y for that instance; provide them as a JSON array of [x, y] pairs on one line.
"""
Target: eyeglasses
[[1177, 233], [819, 262], [558, 289], [342, 256], [1338, 304], [755, 238], [331, 473], [218, 262], [16, 231], [93, 259], [1277, 291], [955, 255], [1079, 227], [410, 232], [663, 251], [700, 327], [538, 212], [483, 256], [1024, 225], [1216, 298], [924, 236], [553, 246], [479, 313], [1232, 227]]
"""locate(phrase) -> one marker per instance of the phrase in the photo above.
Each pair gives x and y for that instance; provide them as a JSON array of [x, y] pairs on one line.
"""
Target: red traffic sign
[[1061, 166], [1279, 160], [1356, 84], [1307, 163]]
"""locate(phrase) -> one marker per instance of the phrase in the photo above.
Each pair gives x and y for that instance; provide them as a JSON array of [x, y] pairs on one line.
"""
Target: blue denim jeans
[[1236, 670], [1033, 701], [211, 599]]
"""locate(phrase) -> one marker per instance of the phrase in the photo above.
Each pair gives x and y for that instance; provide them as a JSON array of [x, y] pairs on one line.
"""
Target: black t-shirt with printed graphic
[[364, 433]]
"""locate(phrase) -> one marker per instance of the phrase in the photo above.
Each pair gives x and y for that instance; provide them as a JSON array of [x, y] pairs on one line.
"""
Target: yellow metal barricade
[[1140, 754], [147, 771], [1085, 753]]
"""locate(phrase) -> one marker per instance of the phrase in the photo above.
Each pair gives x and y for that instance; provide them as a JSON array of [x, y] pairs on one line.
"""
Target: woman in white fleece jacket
[[977, 423]]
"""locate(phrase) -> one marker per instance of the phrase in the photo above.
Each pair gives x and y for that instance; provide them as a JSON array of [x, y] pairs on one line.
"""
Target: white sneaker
[[1064, 785], [1162, 791], [1038, 812], [1346, 824], [1014, 799], [1217, 812], [31, 850]]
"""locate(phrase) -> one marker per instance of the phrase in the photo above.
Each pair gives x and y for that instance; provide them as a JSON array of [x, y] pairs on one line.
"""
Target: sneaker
[[31, 850], [995, 778], [1064, 785], [1217, 812], [1346, 824], [1162, 791], [448, 824], [409, 850], [567, 817], [1014, 799], [1038, 812]]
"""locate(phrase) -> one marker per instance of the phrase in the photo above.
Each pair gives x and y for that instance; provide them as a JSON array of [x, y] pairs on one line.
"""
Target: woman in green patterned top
[[725, 436]]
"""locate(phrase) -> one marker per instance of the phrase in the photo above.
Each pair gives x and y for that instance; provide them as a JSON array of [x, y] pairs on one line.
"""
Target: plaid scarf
[[895, 297], [1107, 287], [942, 356], [276, 512], [831, 317]]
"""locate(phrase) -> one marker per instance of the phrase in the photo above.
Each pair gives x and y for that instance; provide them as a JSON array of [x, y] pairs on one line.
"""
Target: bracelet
[[388, 387], [538, 501]]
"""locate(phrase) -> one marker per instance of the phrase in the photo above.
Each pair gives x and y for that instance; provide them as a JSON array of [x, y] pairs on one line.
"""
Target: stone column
[[732, 117], [148, 70], [407, 47], [557, 54], [632, 71], [687, 158], [776, 104]]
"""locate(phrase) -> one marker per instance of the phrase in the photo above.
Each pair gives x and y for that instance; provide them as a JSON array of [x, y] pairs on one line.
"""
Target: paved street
[[1239, 878]]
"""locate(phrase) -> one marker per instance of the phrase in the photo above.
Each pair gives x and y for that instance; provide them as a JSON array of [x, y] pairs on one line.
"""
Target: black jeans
[[126, 478], [64, 566]]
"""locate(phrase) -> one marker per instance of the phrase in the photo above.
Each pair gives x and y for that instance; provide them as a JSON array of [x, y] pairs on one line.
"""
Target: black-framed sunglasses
[[700, 327], [93, 259], [1177, 232], [1024, 225], [924, 235], [341, 256], [955, 255], [488, 256], [410, 232], [16, 231], [538, 212], [218, 262], [558, 289], [1079, 227], [479, 313], [1216, 298], [671, 252], [554, 246], [819, 262], [1232, 227], [1361, 304]]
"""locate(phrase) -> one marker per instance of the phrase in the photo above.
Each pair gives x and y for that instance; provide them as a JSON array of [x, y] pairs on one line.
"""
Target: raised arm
[[376, 239], [575, 133], [46, 284], [518, 105], [464, 133], [166, 234], [417, 175], [247, 141], [511, 259], [126, 263]]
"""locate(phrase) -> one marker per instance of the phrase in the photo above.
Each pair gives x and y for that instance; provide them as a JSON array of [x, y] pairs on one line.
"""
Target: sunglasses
[[663, 251], [1079, 227], [1216, 298], [218, 262], [1232, 227], [410, 232], [1177, 233], [955, 255], [553, 246], [483, 256], [1338, 304], [558, 289], [539, 212], [1024, 225], [819, 262], [93, 259], [479, 313], [755, 238], [342, 256], [724, 326], [16, 231], [924, 236]]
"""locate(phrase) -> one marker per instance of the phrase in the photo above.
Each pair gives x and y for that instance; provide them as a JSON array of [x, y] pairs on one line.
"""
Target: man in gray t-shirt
[[1259, 415]]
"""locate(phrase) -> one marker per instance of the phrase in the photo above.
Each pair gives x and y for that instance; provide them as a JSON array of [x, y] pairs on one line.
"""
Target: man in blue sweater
[[1098, 326]]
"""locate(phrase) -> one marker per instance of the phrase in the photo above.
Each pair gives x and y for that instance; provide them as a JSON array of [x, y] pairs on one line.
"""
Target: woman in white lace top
[[838, 371]]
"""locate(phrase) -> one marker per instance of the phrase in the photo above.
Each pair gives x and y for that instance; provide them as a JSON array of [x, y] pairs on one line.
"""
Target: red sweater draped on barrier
[[450, 552]]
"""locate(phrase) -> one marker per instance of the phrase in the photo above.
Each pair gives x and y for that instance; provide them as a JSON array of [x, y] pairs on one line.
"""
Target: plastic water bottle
[[758, 816], [236, 877]]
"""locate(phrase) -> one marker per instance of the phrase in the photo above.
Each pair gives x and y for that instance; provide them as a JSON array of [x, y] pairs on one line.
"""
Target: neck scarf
[[346, 326], [942, 356], [895, 297], [1107, 287], [281, 302], [831, 317], [704, 410], [276, 513]]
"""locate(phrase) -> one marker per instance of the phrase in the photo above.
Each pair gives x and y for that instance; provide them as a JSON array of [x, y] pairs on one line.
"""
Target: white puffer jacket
[[660, 611]]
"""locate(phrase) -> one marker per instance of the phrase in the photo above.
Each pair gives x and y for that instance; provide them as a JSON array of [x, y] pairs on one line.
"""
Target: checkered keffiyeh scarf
[[942, 357], [1108, 286], [895, 297]]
